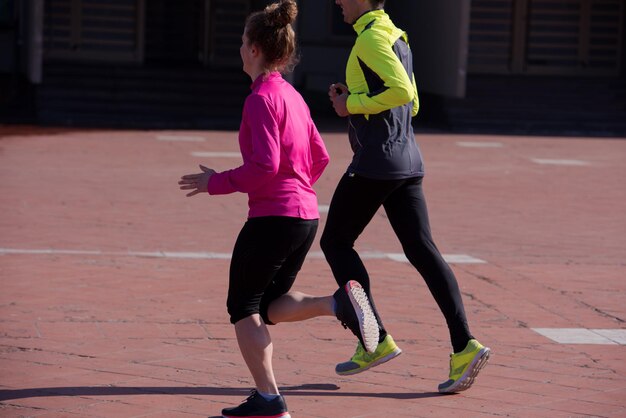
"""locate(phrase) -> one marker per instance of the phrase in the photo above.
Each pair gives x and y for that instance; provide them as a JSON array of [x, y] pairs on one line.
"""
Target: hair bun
[[282, 13]]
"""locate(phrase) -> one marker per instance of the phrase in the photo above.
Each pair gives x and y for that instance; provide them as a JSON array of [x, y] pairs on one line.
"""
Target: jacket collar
[[263, 78], [367, 18]]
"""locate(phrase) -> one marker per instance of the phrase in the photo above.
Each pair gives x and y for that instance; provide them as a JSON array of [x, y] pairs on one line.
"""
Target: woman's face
[[245, 51]]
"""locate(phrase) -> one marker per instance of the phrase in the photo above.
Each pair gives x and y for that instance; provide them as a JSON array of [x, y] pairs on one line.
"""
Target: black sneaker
[[257, 406], [355, 312]]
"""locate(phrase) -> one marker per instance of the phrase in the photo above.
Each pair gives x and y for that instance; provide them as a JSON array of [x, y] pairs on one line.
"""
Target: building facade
[[121, 42]]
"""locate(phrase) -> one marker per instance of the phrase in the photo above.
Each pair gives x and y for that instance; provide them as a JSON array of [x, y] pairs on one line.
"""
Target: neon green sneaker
[[362, 360], [464, 367]]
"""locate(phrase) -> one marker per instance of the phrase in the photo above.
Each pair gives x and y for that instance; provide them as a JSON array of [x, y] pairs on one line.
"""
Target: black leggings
[[268, 255], [353, 206]]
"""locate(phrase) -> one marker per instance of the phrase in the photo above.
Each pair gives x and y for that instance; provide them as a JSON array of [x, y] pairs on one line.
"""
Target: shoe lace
[[457, 368], [360, 352], [253, 392]]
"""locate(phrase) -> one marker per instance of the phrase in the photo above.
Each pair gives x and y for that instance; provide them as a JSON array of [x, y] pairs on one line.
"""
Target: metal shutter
[[581, 37], [606, 36], [563, 37], [94, 30], [491, 36], [228, 18]]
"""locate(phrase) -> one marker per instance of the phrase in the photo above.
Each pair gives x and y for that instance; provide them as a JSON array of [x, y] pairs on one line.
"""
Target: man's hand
[[338, 94], [198, 181]]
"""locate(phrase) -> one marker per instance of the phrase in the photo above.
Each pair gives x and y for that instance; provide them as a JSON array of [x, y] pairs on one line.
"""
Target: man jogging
[[387, 170]]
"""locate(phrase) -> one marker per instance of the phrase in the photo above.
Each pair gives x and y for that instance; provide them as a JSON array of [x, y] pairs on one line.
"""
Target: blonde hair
[[271, 30]]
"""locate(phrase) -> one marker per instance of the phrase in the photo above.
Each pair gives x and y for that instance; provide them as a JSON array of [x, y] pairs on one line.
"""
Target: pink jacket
[[283, 153]]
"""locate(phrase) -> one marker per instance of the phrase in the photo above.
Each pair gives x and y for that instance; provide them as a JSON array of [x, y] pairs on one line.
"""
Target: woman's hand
[[199, 181], [338, 94]]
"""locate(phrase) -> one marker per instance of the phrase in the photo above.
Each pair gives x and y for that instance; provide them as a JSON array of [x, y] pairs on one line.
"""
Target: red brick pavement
[[112, 333]]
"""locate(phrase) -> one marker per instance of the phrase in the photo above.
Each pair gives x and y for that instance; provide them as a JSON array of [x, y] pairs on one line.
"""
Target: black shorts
[[267, 257]]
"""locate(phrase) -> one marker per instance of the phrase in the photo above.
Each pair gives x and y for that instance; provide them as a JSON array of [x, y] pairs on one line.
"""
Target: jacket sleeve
[[374, 51], [261, 162], [416, 100], [319, 154]]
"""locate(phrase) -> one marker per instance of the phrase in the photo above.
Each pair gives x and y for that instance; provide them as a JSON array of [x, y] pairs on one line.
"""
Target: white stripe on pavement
[[584, 335], [180, 138], [450, 258], [470, 144], [549, 161], [216, 154], [366, 255]]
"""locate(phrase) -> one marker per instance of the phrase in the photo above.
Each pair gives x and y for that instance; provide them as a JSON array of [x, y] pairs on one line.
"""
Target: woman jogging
[[387, 170], [283, 156]]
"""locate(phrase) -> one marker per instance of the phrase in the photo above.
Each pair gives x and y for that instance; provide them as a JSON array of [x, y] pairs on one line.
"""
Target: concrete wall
[[438, 32], [439, 36], [322, 55]]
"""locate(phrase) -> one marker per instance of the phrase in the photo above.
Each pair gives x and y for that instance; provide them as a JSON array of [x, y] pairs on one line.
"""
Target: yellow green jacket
[[383, 99]]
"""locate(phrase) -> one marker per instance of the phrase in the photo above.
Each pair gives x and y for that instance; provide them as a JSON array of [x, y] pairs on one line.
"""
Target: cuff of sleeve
[[213, 185], [353, 104]]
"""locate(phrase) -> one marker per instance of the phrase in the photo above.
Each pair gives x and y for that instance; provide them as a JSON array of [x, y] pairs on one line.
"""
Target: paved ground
[[113, 283]]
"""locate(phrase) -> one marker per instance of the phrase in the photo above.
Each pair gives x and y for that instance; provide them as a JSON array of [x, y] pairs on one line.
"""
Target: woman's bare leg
[[255, 344], [297, 306]]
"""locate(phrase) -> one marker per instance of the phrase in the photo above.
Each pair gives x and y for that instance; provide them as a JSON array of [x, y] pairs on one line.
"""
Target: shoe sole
[[285, 415], [378, 362], [365, 314], [467, 379]]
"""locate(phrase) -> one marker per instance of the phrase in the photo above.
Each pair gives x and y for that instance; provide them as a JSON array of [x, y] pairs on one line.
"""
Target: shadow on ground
[[301, 390]]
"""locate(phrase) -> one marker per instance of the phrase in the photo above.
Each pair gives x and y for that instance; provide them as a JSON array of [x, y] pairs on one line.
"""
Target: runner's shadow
[[313, 390], [318, 390]]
